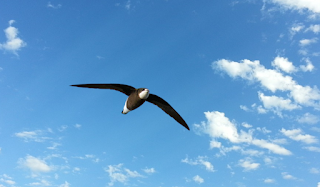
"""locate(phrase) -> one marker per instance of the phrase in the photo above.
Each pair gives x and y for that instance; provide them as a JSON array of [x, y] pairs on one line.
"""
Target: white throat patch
[[144, 94]]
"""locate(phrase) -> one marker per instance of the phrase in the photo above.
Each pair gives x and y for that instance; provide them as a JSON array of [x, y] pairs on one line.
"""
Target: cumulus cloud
[[119, 174], [219, 126], [284, 64], [248, 164], [201, 160], [297, 135], [198, 179], [34, 164], [277, 104], [13, 43], [272, 80]]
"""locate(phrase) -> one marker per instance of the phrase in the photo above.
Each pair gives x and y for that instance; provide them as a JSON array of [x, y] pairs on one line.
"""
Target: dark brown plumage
[[137, 97]]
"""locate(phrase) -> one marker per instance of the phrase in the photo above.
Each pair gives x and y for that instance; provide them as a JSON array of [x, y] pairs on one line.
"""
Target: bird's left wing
[[166, 108], [126, 89]]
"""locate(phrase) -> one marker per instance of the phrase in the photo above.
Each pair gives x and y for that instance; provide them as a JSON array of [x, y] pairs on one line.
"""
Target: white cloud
[[248, 164], [245, 108], [287, 176], [297, 27], [306, 42], [219, 126], [128, 5], [299, 5], [318, 184], [269, 180], [215, 144], [13, 43], [277, 149], [277, 104], [264, 130], [149, 170], [54, 146], [78, 126], [314, 171], [42, 182], [201, 160], [284, 65], [65, 184], [31, 136], [246, 125], [314, 28], [296, 134], [7, 179], [272, 80], [50, 5], [308, 119], [34, 164], [312, 148], [198, 179], [117, 174], [308, 67]]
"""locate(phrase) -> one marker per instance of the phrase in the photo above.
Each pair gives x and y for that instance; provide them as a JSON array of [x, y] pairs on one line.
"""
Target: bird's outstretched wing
[[166, 108], [126, 89]]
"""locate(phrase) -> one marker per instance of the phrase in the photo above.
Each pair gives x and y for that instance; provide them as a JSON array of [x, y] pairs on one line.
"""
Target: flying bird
[[137, 97]]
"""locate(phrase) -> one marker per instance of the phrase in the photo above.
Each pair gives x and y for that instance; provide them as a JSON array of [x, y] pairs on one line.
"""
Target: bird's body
[[137, 97]]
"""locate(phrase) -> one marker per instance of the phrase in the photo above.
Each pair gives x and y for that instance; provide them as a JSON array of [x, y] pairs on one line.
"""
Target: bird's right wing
[[165, 106], [126, 89]]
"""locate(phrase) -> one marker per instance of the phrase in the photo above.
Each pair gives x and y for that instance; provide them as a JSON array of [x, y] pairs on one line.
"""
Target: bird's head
[[143, 93]]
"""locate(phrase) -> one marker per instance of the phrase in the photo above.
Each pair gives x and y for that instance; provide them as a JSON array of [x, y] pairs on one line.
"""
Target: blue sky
[[243, 74]]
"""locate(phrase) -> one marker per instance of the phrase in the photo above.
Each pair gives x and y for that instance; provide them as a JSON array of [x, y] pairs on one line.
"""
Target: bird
[[136, 97]]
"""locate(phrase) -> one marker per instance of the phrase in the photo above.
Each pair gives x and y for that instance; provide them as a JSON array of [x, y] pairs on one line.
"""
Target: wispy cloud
[[268, 180], [198, 179], [34, 164], [7, 180], [314, 28], [149, 170], [312, 148], [13, 43], [65, 184], [50, 5], [297, 135], [119, 174], [306, 42], [308, 119], [28, 136], [201, 160], [287, 176], [248, 164]]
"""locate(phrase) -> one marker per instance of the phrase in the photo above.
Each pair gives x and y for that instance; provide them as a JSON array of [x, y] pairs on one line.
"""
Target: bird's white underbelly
[[125, 109]]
